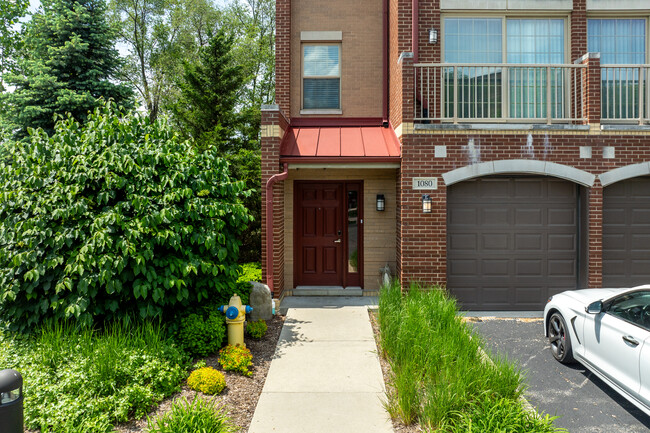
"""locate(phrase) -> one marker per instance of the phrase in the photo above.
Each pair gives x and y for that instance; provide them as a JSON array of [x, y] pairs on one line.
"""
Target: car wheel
[[558, 337]]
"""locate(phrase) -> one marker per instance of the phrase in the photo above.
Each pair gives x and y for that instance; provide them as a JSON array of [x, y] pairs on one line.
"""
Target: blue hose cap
[[249, 308], [232, 313]]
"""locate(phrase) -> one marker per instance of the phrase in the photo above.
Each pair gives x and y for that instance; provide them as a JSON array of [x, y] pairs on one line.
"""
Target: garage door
[[626, 233], [511, 242]]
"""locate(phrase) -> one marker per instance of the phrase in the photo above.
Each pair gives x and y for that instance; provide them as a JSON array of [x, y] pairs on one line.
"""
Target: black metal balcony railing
[[499, 93]]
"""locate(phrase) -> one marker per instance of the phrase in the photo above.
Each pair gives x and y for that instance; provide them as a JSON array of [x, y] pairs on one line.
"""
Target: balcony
[[517, 93]]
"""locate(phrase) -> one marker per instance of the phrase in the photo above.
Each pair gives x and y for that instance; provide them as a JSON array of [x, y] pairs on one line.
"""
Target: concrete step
[[327, 291]]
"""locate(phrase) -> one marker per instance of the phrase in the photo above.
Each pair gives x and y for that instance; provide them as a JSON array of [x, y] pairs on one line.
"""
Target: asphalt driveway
[[583, 402]]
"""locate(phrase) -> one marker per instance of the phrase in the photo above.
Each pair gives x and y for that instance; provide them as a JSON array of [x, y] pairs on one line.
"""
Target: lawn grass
[[78, 379], [439, 377]]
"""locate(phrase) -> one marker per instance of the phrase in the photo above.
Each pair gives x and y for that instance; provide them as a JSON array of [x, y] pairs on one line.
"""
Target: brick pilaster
[[595, 278], [578, 29], [591, 82], [283, 55], [274, 123]]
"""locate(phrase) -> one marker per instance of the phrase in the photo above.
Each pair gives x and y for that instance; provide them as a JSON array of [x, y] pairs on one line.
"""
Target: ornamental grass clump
[[207, 380], [196, 417], [256, 329], [439, 376], [236, 358]]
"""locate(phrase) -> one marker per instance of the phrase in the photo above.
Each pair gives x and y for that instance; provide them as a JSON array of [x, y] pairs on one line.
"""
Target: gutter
[[269, 222]]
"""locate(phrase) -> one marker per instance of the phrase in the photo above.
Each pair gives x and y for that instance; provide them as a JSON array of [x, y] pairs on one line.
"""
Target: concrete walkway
[[325, 375]]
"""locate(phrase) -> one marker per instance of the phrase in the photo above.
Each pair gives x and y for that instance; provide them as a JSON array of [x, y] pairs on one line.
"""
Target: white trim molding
[[321, 36], [519, 166], [623, 173]]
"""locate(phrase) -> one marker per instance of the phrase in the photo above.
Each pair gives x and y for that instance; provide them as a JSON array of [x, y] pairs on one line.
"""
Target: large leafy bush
[[115, 216]]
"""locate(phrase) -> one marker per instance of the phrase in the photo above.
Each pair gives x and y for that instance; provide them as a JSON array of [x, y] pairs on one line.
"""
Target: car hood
[[587, 296]]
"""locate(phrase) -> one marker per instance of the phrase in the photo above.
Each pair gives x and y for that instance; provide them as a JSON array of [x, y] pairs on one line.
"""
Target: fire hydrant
[[235, 317]]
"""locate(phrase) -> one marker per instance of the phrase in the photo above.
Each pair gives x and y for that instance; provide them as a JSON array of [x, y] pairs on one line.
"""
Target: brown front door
[[328, 232], [319, 245]]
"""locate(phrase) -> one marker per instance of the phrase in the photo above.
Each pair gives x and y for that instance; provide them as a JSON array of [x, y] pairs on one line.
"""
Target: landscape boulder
[[260, 300]]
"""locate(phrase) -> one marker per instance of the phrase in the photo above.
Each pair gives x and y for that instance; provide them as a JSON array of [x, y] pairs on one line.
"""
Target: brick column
[[274, 124], [283, 54], [578, 29], [591, 81], [595, 279]]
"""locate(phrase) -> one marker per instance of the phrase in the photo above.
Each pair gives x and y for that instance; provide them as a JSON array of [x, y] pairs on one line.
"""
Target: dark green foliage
[[10, 12], [68, 62], [256, 329], [209, 91], [201, 335], [246, 165], [114, 217], [78, 379]]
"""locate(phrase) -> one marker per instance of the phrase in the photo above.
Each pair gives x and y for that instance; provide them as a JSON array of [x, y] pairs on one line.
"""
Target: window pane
[[535, 41], [617, 40], [473, 40], [321, 93], [322, 61]]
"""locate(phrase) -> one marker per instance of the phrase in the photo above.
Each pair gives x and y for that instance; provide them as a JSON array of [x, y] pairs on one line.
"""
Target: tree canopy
[[68, 64]]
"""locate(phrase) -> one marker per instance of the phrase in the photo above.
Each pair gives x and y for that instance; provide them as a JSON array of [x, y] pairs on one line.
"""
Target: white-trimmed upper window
[[481, 40], [321, 76]]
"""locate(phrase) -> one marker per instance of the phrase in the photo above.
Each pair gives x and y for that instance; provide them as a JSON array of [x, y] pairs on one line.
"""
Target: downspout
[[415, 29], [269, 223], [385, 65]]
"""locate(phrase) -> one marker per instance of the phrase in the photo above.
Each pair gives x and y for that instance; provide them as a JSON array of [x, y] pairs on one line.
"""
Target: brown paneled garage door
[[626, 233], [511, 242]]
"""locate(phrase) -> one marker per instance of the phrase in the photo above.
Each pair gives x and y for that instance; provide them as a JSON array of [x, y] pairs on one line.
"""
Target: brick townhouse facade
[[498, 148]]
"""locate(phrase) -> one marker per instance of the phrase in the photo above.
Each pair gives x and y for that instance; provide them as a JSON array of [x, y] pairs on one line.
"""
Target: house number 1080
[[425, 183]]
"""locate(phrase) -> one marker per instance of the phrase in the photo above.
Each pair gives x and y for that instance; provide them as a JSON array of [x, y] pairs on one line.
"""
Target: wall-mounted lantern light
[[426, 203], [381, 203], [433, 36]]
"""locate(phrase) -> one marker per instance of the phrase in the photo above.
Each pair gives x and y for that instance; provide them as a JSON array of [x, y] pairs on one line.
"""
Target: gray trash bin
[[11, 402]]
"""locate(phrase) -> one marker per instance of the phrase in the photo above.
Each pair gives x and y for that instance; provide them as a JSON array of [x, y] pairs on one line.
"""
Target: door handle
[[338, 241], [630, 340]]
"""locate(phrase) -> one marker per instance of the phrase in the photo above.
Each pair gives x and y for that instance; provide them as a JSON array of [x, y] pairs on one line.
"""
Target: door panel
[[512, 241], [319, 210], [626, 233], [609, 353]]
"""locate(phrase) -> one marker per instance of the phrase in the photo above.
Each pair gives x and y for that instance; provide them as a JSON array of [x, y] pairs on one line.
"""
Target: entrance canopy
[[366, 143]]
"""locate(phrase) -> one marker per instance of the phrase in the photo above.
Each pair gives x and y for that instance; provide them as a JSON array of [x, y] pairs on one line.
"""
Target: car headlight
[[549, 299]]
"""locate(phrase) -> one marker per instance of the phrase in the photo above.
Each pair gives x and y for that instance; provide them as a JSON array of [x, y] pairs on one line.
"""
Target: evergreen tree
[[67, 65], [206, 110]]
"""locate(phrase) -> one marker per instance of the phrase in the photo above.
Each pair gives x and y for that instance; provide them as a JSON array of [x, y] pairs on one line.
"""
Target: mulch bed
[[241, 394]]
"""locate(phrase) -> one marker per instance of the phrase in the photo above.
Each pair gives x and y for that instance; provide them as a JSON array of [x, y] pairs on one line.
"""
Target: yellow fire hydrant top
[[235, 317]]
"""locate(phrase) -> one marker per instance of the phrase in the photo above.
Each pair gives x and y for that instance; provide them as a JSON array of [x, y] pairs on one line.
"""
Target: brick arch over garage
[[624, 173], [519, 166]]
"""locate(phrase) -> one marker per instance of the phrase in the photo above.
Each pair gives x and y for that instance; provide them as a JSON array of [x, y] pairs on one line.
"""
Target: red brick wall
[[270, 166], [578, 30], [283, 54], [423, 236]]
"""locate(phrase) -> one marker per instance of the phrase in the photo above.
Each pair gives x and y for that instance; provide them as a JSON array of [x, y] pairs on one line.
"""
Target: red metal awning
[[340, 144]]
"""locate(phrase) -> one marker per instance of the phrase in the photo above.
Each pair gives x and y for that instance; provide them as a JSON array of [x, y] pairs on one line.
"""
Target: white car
[[608, 331]]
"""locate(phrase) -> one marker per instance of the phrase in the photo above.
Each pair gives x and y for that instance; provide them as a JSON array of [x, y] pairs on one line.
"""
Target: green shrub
[[79, 379], [207, 380], [256, 329], [195, 417], [114, 217], [236, 358], [201, 335]]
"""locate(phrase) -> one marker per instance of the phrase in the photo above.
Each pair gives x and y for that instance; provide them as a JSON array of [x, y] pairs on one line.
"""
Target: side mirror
[[595, 307]]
